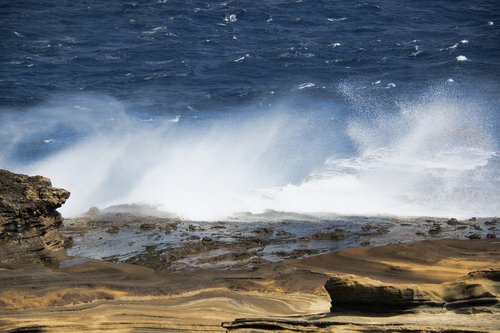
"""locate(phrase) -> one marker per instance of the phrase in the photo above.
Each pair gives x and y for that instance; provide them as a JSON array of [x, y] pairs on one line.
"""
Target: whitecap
[[390, 85], [231, 18], [155, 30], [49, 141], [337, 19], [462, 58], [464, 41], [490, 23], [334, 45], [240, 59], [454, 46], [376, 82], [306, 85], [417, 51], [450, 80], [18, 34]]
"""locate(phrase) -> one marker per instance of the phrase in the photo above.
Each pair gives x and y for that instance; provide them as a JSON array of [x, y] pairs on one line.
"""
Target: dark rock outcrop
[[29, 221]]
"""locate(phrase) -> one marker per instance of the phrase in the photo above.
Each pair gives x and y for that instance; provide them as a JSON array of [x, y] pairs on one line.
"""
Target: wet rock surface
[[29, 222], [144, 236]]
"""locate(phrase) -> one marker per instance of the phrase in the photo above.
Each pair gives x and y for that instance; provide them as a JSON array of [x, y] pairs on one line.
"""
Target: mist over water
[[434, 155]]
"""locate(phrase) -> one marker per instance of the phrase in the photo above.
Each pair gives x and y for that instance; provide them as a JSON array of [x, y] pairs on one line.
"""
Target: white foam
[[306, 85], [428, 160], [175, 119], [435, 157], [240, 59], [155, 30], [230, 18], [337, 19]]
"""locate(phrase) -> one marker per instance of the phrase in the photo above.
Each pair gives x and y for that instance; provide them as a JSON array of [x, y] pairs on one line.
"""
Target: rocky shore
[[133, 269], [29, 222], [143, 236]]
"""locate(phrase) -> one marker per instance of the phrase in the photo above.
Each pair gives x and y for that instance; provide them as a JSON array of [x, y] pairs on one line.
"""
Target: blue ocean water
[[208, 108]]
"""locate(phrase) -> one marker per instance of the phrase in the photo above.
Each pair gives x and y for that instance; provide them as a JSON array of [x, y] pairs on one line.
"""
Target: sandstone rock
[[478, 288], [355, 293], [29, 221], [351, 292]]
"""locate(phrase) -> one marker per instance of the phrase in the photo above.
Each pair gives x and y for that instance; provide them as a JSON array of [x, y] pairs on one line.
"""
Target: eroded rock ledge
[[29, 221], [355, 293]]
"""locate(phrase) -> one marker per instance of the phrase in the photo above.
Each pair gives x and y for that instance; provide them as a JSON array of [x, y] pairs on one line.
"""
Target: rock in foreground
[[355, 293], [352, 292], [29, 221]]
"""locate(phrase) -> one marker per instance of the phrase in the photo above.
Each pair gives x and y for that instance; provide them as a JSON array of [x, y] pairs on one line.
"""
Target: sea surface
[[206, 109]]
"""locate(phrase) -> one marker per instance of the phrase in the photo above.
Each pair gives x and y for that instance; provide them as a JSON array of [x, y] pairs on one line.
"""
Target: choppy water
[[211, 108]]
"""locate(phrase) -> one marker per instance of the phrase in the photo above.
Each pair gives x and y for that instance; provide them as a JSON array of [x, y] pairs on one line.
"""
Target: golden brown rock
[[352, 292]]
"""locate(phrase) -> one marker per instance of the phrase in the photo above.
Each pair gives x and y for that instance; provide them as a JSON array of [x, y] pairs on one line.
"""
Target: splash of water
[[433, 156]]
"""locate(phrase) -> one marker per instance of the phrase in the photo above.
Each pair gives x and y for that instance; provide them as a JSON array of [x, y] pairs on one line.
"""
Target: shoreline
[[166, 244], [101, 296], [125, 272]]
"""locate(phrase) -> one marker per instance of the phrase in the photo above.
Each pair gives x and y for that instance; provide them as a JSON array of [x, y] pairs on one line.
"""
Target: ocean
[[206, 109]]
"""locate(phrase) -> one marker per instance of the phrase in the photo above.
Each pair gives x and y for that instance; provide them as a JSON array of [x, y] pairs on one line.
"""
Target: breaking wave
[[435, 155]]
